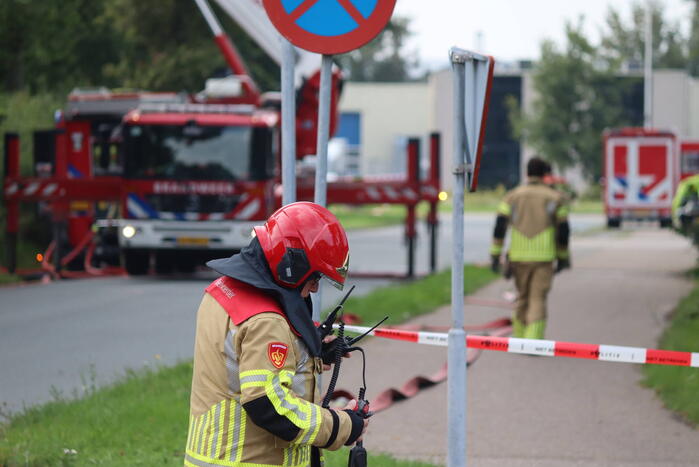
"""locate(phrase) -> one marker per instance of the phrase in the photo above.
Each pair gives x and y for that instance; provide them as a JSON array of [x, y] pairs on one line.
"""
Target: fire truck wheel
[[613, 222], [665, 222], [136, 262]]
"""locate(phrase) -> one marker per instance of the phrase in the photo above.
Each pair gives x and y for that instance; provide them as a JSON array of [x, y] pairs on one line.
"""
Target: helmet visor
[[342, 272], [336, 284]]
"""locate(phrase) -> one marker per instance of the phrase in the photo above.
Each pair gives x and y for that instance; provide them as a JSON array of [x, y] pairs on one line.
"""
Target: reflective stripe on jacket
[[255, 396]]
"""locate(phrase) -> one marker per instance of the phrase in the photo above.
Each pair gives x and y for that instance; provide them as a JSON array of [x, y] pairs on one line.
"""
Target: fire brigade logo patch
[[276, 351]]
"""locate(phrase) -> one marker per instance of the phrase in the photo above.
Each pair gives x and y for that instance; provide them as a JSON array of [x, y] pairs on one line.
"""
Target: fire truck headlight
[[128, 231]]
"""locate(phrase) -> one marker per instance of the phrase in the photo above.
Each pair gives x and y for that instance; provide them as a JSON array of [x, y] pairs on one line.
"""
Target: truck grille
[[193, 203]]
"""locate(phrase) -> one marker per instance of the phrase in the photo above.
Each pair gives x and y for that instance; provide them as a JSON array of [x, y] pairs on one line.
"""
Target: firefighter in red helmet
[[257, 355]]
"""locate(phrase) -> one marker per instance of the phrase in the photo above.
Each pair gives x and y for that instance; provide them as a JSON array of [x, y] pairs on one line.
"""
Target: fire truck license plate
[[193, 241]]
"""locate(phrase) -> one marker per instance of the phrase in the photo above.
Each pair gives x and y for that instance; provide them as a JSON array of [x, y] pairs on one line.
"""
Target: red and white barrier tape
[[418, 383], [607, 353]]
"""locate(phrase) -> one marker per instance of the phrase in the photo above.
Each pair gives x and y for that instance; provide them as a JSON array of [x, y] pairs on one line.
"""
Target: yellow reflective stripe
[[301, 413], [191, 431], [495, 249], [245, 374], [286, 404], [211, 431], [504, 208], [562, 212], [297, 456], [315, 423], [201, 432], [254, 378], [562, 254], [229, 432], [197, 460], [195, 434], [217, 437], [541, 247], [208, 443], [205, 434], [238, 430]]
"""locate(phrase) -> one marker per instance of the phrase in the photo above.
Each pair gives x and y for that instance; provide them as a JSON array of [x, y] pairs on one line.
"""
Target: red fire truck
[[640, 170], [169, 180]]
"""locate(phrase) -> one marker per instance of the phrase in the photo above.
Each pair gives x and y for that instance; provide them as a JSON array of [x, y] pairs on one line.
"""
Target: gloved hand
[[562, 263], [507, 271], [359, 424], [495, 263]]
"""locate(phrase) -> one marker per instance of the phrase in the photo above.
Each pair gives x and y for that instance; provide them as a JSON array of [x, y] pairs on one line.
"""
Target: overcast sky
[[510, 29]]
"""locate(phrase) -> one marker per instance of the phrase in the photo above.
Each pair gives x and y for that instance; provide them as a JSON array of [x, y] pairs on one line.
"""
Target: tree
[[624, 43], [53, 45], [167, 46], [162, 45], [384, 58], [576, 99]]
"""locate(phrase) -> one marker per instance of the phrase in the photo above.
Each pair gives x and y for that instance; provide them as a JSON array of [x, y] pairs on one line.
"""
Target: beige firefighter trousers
[[533, 282]]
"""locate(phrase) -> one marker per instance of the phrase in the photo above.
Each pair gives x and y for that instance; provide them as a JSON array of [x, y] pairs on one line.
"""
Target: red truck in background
[[641, 171], [168, 180]]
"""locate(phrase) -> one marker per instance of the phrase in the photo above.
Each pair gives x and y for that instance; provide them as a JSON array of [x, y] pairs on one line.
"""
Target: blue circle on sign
[[330, 17]]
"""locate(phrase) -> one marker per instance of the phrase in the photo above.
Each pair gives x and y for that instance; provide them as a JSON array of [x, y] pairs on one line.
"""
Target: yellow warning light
[[39, 257], [443, 196]]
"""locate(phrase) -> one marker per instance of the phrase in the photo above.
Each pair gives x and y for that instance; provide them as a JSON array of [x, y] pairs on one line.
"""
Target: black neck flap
[[250, 266]]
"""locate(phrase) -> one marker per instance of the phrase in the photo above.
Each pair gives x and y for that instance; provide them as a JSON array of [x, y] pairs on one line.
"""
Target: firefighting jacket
[[255, 391], [686, 187], [538, 215]]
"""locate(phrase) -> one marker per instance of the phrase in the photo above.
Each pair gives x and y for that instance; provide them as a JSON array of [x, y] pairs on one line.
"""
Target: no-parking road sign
[[329, 26]]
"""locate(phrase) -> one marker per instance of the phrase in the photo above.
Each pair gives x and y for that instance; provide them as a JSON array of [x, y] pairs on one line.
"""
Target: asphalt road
[[64, 337]]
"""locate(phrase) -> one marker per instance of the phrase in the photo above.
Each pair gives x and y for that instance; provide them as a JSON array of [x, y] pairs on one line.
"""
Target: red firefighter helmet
[[303, 239]]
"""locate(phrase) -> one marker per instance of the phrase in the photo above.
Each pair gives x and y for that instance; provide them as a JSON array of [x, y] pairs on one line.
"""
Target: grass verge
[[678, 386], [9, 279], [382, 215], [142, 419]]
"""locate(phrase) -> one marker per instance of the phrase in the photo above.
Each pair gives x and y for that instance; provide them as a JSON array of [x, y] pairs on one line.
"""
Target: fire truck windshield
[[197, 152]]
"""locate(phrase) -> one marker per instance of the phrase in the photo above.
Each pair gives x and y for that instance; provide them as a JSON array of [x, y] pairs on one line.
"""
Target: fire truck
[[166, 181], [640, 170]]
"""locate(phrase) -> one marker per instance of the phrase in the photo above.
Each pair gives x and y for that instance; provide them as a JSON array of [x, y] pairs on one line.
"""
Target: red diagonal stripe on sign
[[302, 9], [352, 10]]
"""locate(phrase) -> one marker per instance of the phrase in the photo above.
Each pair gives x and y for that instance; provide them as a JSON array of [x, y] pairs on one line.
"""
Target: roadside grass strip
[[678, 387], [382, 215], [142, 419], [9, 279]]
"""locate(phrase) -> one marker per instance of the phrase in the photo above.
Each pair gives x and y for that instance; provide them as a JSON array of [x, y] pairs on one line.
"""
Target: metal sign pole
[[288, 123], [321, 187], [456, 389]]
